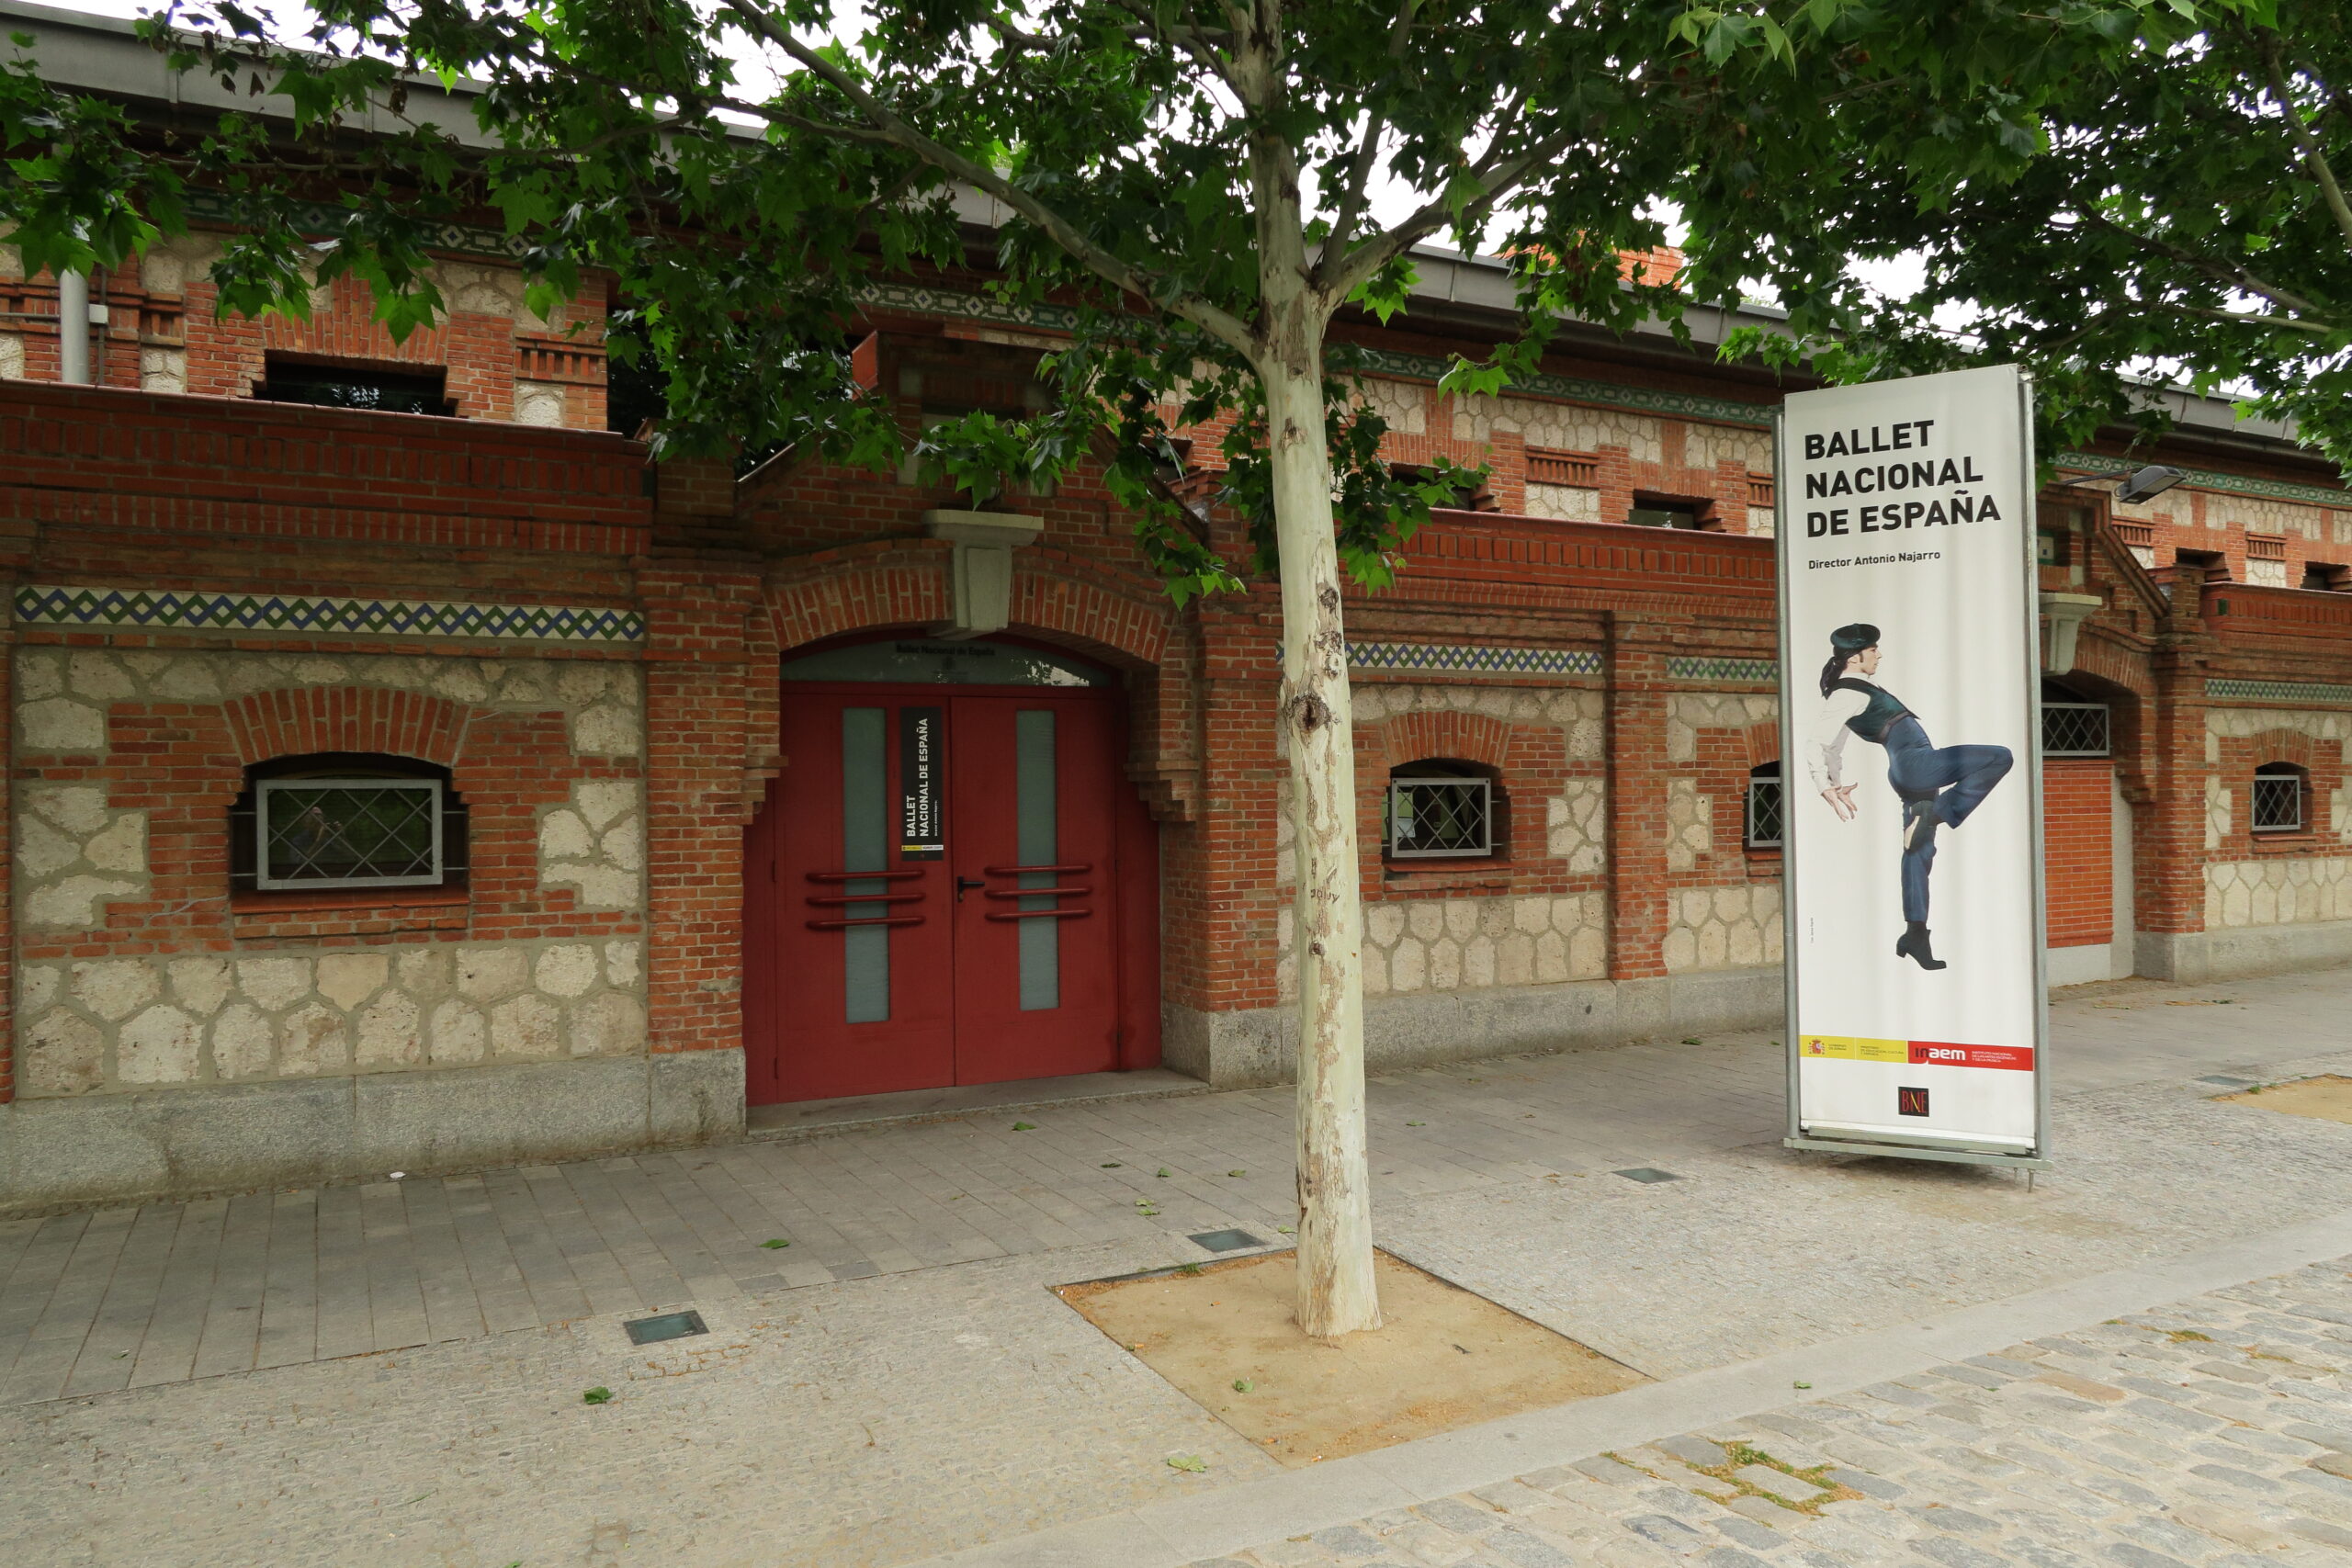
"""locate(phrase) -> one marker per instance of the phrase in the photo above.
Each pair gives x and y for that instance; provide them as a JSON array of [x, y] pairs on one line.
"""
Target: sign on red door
[[933, 892]]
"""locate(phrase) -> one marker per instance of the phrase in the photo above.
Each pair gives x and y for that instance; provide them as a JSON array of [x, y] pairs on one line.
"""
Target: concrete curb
[[1178, 1531]]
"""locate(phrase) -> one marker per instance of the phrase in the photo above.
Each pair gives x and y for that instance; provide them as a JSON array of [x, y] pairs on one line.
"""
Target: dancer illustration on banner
[[1940, 786]]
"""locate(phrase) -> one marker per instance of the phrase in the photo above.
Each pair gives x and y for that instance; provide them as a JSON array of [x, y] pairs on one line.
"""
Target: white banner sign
[[1910, 715]]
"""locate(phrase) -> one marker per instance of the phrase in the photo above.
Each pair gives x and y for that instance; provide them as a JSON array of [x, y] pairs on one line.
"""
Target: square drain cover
[[1647, 1173], [1226, 1241], [669, 1326], [2223, 1080]]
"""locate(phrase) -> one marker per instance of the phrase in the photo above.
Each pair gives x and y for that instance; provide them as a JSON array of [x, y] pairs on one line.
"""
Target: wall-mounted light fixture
[[2140, 484]]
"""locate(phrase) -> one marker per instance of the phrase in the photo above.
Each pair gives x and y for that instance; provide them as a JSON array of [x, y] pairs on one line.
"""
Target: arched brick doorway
[[952, 882]]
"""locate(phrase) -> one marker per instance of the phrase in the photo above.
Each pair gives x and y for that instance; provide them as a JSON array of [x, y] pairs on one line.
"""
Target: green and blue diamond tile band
[[1758, 669], [295, 614], [2277, 691], [1468, 659]]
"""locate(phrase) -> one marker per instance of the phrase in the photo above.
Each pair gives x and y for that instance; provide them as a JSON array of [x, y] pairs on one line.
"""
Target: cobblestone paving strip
[[2217, 1431]]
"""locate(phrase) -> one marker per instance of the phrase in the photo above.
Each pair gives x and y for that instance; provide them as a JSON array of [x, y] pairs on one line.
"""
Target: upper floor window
[[1764, 807], [419, 388], [2278, 790], [1440, 808], [1667, 515], [347, 820], [1472, 496], [2071, 723]]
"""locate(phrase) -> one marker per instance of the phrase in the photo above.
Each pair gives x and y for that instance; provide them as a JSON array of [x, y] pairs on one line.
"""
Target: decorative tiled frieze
[[1470, 659], [1575, 388], [2209, 478], [2278, 691], [292, 616], [321, 218], [1760, 670]]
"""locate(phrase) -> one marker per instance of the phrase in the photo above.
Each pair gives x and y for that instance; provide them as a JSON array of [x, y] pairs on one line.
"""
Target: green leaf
[[1189, 1463], [597, 1396], [1024, 1126], [773, 1242]]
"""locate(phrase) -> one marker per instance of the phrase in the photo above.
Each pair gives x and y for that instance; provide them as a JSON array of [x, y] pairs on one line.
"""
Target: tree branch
[[2314, 158], [1500, 180], [885, 126], [1193, 41], [2223, 272], [2240, 318], [1351, 197]]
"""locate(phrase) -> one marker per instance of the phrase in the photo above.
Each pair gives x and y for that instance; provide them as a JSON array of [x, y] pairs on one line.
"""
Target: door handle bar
[[1035, 870], [866, 899], [1036, 914], [1034, 892], [862, 875], [878, 920]]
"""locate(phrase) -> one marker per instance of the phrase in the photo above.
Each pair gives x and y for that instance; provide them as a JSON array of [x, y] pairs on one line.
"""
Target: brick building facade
[[636, 687]]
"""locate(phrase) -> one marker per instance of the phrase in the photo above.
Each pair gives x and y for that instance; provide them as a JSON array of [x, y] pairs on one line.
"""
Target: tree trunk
[[1336, 1291]]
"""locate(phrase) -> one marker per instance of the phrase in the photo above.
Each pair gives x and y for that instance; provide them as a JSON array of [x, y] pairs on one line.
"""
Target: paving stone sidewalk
[[2215, 1433], [135, 1297]]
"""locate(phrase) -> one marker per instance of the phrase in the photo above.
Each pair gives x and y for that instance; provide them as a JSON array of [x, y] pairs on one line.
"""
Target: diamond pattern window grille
[[2074, 729], [349, 832], [1431, 817], [1764, 804], [2278, 801]]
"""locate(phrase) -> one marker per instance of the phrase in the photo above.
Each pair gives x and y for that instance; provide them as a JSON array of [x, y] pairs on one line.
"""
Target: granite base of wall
[[2084, 964], [177, 1143], [1236, 1049], [2193, 958]]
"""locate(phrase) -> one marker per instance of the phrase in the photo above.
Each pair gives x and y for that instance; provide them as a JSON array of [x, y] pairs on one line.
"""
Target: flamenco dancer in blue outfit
[[1939, 785]]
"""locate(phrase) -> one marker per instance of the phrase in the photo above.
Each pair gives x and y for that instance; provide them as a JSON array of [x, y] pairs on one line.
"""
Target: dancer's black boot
[[1914, 946]]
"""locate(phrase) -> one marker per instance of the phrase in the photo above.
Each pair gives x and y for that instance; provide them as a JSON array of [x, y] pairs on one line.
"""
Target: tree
[[1212, 180], [2181, 211]]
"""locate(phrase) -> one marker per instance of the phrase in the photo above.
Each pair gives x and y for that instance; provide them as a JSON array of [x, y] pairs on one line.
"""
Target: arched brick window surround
[[298, 720]]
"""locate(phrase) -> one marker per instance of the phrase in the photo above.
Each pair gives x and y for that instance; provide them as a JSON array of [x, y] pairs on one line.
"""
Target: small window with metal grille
[[387, 389], [2072, 725], [2279, 789], [344, 821], [1440, 809], [1764, 807]]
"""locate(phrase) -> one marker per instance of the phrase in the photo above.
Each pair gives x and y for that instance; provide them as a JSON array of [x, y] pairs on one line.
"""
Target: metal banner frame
[[1924, 1146]]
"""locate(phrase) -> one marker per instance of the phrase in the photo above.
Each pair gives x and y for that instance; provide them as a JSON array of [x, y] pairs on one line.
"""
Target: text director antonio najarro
[[1949, 475]]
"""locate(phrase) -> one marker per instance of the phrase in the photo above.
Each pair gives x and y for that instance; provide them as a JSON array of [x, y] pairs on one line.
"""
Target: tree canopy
[[2177, 212]]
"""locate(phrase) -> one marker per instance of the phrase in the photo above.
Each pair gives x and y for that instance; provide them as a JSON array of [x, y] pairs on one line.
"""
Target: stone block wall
[[138, 968], [2286, 890], [1466, 944], [136, 1023], [1722, 928]]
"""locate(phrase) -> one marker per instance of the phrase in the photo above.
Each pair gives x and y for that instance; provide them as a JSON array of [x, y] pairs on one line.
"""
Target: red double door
[[946, 886]]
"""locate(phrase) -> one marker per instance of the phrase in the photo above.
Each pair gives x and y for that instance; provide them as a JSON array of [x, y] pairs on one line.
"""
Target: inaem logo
[[1911, 1101]]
